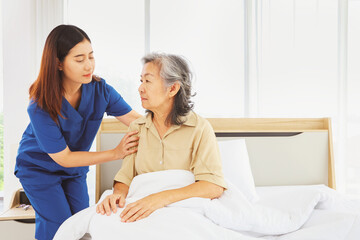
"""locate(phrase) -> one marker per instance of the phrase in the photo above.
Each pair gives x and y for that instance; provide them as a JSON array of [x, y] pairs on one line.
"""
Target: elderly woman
[[172, 136]]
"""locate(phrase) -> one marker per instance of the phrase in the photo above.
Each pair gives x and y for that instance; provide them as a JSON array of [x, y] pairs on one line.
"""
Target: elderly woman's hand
[[109, 204], [143, 207]]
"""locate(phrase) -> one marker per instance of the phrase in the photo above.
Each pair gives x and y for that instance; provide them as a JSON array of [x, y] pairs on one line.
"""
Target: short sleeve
[[48, 134], [206, 164], [127, 171], [116, 104]]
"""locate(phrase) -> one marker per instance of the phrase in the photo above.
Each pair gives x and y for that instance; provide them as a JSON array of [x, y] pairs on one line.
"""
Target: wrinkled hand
[[143, 208], [127, 145], [109, 204]]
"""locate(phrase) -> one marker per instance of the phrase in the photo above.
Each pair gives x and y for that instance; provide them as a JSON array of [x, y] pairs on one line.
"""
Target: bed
[[281, 185]]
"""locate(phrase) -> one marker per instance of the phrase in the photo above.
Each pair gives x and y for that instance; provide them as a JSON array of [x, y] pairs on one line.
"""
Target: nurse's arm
[[68, 158], [129, 117]]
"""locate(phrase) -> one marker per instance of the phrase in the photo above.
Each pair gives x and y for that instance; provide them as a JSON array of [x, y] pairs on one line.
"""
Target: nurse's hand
[[110, 203], [127, 146]]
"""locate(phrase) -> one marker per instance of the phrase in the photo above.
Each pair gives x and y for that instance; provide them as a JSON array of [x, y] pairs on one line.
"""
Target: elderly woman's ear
[[174, 89]]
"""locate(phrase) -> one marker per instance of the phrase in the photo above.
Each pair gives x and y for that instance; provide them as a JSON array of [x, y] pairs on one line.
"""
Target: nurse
[[67, 104]]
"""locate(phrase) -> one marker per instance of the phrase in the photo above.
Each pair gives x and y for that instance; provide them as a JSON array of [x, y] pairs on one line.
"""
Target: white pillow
[[236, 166]]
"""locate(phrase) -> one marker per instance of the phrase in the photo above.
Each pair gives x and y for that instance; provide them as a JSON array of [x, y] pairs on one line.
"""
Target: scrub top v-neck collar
[[71, 110]]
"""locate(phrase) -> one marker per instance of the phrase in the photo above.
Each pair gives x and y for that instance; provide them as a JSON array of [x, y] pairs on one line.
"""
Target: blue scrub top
[[77, 131]]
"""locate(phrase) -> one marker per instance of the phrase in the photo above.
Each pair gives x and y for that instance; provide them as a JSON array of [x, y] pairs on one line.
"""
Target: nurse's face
[[153, 92], [78, 66]]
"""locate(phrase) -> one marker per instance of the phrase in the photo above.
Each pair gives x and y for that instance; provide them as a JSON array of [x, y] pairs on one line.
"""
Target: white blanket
[[232, 210], [194, 218]]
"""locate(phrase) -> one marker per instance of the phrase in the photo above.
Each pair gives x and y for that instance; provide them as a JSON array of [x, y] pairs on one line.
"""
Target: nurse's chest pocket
[[80, 135], [71, 130], [91, 129]]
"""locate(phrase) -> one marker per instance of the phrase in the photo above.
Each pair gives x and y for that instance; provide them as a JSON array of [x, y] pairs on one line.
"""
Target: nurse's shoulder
[[99, 83], [36, 113], [102, 88]]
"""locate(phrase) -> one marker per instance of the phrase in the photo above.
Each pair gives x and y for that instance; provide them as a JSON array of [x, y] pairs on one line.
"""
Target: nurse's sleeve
[[116, 104], [47, 132], [206, 163]]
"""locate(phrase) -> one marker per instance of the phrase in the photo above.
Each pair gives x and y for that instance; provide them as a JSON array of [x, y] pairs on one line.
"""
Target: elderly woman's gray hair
[[174, 69]]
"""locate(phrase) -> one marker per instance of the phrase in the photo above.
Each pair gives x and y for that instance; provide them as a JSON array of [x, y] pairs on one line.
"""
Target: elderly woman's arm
[[121, 185], [144, 207], [122, 182]]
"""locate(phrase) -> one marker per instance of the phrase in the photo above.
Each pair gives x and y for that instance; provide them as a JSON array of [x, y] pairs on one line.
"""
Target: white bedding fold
[[232, 210]]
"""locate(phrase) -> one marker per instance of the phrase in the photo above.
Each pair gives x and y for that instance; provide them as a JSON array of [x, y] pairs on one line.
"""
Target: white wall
[[1, 59], [19, 17], [26, 25]]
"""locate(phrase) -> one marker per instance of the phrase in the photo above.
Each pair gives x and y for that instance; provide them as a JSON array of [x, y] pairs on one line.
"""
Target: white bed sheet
[[333, 219], [338, 219], [323, 225]]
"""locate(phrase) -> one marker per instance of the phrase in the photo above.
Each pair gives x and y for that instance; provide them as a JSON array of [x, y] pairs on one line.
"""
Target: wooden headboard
[[282, 151]]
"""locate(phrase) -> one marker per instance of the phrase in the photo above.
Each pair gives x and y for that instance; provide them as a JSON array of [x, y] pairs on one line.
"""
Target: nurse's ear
[[59, 64]]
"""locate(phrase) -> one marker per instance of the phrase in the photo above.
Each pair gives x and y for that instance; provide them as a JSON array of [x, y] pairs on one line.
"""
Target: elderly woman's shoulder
[[136, 124], [199, 121], [139, 121]]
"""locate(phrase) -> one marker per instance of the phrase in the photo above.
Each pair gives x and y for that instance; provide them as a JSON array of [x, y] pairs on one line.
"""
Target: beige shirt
[[191, 146]]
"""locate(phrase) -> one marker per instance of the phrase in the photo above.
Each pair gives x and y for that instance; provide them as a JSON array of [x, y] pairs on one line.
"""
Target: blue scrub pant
[[54, 203]]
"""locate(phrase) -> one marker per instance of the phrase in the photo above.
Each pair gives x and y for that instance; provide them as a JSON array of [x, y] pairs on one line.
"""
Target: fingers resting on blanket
[[109, 204], [143, 208]]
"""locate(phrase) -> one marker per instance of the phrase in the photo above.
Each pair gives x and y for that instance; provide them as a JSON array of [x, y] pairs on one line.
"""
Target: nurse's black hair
[[47, 91]]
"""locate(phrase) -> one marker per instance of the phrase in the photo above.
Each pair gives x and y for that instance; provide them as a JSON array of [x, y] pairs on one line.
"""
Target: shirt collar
[[189, 120]]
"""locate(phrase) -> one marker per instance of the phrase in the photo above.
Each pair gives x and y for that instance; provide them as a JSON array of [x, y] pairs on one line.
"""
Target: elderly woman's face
[[154, 95]]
